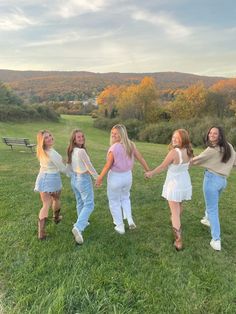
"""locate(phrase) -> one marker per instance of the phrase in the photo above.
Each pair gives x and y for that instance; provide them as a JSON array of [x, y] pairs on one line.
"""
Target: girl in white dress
[[177, 186]]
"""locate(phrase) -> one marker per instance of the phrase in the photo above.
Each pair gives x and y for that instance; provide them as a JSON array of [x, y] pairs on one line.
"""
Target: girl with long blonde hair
[[48, 182], [119, 165]]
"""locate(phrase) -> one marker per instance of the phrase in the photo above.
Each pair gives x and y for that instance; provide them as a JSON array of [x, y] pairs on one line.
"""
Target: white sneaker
[[205, 221], [215, 244], [120, 229], [78, 236]]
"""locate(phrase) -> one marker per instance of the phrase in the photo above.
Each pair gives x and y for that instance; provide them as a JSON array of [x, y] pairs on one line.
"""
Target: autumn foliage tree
[[146, 103], [137, 101], [107, 101], [148, 99], [189, 103], [224, 96], [127, 103]]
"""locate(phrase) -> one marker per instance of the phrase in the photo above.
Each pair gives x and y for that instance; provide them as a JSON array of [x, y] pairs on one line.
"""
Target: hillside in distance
[[62, 85]]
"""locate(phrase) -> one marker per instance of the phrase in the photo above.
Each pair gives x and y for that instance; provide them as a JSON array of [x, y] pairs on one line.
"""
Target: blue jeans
[[82, 187], [213, 185]]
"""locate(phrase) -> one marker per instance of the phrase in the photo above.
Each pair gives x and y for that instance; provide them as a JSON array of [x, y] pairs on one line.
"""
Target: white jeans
[[118, 192]]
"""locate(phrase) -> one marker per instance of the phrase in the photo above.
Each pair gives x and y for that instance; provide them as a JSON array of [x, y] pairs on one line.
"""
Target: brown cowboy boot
[[56, 216], [178, 243], [41, 229]]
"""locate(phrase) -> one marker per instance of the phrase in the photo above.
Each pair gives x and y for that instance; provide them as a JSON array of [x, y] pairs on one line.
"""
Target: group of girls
[[218, 159]]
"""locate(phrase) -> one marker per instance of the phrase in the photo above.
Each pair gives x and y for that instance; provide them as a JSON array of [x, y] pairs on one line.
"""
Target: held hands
[[191, 161], [148, 174], [98, 182]]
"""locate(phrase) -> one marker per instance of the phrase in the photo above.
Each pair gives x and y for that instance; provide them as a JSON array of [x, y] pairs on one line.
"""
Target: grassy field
[[139, 272]]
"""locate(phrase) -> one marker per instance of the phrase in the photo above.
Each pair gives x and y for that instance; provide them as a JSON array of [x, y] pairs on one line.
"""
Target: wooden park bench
[[13, 141]]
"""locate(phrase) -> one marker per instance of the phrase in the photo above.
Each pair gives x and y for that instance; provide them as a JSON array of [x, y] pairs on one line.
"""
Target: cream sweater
[[53, 164], [80, 162], [210, 159]]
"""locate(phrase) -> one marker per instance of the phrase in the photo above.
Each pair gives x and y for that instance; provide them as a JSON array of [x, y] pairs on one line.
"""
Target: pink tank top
[[122, 162]]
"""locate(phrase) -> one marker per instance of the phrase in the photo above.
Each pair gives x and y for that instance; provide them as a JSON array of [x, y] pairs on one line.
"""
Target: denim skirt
[[48, 182]]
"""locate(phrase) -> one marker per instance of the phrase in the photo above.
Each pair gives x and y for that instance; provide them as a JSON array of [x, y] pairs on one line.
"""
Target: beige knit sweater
[[210, 159]]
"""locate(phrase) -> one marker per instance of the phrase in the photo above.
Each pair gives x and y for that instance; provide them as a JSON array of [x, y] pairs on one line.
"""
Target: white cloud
[[68, 37], [15, 21], [76, 7], [117, 35], [55, 40], [169, 25]]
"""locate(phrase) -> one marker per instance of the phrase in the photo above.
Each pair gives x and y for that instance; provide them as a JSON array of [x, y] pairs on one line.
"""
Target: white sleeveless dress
[[177, 186]]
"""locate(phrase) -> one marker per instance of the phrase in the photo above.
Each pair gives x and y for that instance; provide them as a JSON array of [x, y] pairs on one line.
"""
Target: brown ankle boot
[[56, 216], [41, 229], [178, 243]]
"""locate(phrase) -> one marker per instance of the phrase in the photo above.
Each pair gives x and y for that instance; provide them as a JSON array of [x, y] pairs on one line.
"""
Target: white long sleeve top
[[53, 164], [80, 162]]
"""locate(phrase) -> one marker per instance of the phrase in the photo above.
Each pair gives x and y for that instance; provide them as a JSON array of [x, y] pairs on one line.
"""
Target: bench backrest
[[16, 141]]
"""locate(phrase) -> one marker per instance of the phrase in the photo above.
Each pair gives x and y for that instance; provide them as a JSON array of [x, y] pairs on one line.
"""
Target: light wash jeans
[[82, 187], [213, 185], [118, 193]]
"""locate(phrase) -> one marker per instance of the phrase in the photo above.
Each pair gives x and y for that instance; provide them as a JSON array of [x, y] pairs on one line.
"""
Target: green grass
[[139, 272]]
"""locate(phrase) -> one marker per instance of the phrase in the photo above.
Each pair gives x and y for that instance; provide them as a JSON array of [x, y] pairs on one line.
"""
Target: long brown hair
[[185, 141], [124, 139], [73, 144], [40, 150], [222, 142]]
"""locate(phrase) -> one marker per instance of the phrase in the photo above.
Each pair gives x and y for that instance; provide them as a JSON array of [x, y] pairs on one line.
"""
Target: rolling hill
[[60, 85]]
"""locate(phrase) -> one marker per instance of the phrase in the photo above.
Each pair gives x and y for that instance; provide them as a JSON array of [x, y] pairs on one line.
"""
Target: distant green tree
[[217, 104], [8, 97]]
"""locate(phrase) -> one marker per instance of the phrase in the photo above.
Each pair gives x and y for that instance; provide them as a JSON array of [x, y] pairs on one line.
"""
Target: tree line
[[58, 86], [147, 103], [149, 112], [158, 112], [12, 108]]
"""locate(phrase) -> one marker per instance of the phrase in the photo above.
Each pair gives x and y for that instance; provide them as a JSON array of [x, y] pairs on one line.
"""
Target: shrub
[[46, 113], [232, 137], [27, 112], [105, 123], [94, 114], [157, 133], [161, 132], [133, 127], [197, 128], [13, 113]]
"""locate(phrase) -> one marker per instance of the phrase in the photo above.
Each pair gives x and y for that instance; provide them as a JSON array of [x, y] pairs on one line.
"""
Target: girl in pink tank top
[[119, 165]]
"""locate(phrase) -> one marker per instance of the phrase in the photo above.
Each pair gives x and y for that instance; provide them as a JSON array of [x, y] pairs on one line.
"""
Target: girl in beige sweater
[[218, 159]]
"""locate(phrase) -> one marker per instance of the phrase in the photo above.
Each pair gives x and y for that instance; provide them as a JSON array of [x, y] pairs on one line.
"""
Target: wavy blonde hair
[[72, 144], [124, 139], [40, 150]]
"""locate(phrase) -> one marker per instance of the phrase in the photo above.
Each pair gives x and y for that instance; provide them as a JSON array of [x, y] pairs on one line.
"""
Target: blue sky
[[119, 36]]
